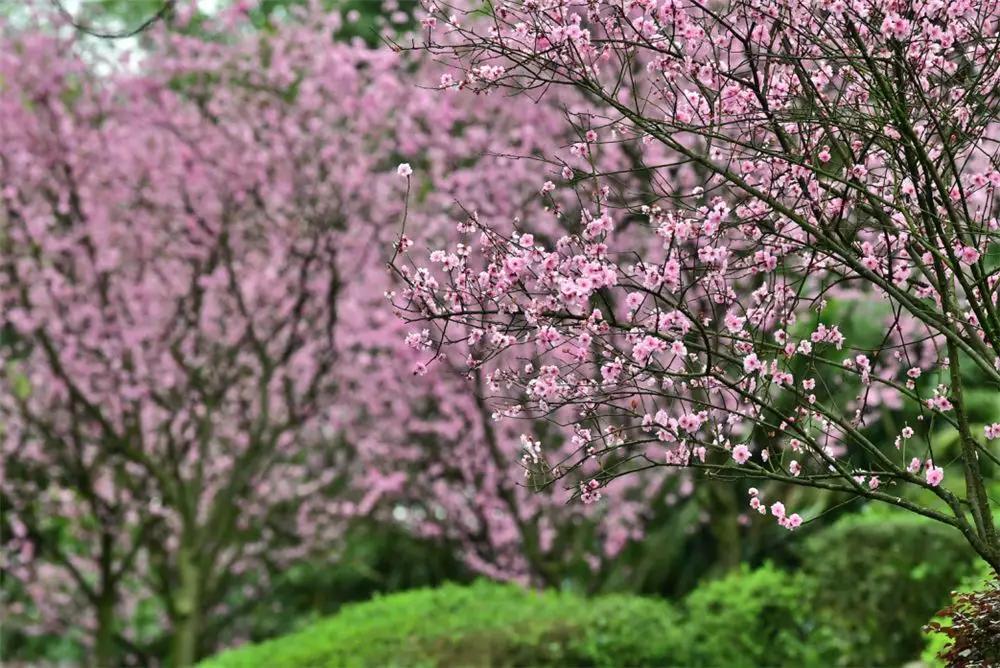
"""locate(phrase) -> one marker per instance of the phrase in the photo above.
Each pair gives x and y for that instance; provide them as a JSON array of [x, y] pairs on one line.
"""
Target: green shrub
[[879, 576], [868, 584], [484, 624], [754, 618], [749, 618]]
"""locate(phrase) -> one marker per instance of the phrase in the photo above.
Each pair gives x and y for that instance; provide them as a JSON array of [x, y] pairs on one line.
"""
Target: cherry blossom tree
[[202, 384], [176, 329], [841, 151]]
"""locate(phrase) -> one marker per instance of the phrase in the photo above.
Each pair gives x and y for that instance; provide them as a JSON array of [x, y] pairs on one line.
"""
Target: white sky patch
[[109, 55]]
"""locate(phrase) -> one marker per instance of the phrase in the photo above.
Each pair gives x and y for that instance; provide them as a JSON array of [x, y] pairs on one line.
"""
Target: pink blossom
[[968, 254], [751, 364], [741, 454], [934, 474]]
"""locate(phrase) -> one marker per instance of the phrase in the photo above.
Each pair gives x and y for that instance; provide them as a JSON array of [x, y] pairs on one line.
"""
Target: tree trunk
[[185, 641], [104, 642], [723, 510], [187, 618]]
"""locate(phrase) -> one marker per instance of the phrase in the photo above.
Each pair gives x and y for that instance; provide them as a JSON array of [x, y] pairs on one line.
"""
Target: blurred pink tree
[[203, 381]]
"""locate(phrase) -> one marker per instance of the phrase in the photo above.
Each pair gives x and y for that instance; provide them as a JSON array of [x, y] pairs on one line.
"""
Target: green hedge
[[746, 619], [755, 618], [879, 576], [866, 587], [483, 624]]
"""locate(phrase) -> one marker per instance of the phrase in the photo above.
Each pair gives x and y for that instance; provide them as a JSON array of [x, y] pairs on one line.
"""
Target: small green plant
[[967, 632]]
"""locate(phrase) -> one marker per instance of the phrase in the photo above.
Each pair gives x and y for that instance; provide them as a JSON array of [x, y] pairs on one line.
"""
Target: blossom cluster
[[798, 160]]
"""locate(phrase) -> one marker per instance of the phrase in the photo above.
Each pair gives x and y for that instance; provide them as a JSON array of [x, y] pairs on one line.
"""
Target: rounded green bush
[[748, 618], [483, 625], [879, 576], [754, 618]]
